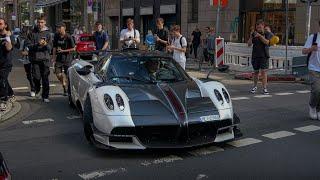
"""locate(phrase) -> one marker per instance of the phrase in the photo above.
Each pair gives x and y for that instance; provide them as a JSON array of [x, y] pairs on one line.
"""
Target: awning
[[47, 3]]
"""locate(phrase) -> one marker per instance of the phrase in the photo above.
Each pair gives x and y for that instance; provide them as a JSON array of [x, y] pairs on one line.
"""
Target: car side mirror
[[85, 70]]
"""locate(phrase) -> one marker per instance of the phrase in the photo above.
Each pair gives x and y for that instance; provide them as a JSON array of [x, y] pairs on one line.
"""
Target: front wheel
[[87, 121]]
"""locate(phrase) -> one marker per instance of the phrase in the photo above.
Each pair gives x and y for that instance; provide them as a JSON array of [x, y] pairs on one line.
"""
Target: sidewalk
[[12, 110]]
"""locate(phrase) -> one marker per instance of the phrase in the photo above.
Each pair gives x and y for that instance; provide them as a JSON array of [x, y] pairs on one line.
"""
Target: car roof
[[139, 53]]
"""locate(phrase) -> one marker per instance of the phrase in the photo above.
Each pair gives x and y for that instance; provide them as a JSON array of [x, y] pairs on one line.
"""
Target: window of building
[[193, 11]]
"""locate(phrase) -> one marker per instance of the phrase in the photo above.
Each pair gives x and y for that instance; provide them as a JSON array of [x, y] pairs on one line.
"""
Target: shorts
[[61, 68], [260, 63]]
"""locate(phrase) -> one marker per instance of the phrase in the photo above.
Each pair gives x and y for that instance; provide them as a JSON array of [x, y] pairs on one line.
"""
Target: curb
[[283, 78], [16, 107]]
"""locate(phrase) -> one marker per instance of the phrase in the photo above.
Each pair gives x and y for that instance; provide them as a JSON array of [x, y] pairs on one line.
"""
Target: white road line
[[73, 117], [244, 142], [37, 121], [206, 151], [167, 159], [202, 176], [283, 94], [303, 92], [263, 96], [278, 135], [20, 88], [239, 98], [308, 128], [101, 173]]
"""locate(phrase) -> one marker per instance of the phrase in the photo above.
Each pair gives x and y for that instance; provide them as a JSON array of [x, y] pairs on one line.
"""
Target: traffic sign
[[223, 3]]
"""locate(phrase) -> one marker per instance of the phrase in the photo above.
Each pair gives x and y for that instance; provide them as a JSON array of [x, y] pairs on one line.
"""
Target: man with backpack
[[311, 48], [101, 37], [179, 47], [130, 37]]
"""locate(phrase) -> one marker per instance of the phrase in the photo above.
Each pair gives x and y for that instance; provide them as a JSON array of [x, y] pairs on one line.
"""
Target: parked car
[[85, 44], [137, 99], [4, 171]]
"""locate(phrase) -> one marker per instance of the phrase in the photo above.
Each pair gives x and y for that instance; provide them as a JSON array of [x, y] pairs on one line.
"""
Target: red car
[[4, 172], [85, 43]]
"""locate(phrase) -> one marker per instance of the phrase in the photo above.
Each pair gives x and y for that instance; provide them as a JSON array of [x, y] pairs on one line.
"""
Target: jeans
[[40, 73], [28, 70], [5, 88], [195, 50], [315, 90]]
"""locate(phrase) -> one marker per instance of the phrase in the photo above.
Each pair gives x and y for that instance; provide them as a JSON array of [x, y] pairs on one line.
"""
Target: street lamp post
[[308, 16], [218, 18]]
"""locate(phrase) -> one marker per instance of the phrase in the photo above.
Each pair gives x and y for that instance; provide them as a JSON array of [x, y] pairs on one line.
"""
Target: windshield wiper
[[133, 78]]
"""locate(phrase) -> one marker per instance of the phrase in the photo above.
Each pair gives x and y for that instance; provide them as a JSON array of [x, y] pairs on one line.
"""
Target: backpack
[[315, 36]]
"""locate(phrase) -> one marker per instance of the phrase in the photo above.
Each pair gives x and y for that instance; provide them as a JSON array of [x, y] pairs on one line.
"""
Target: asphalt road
[[271, 148]]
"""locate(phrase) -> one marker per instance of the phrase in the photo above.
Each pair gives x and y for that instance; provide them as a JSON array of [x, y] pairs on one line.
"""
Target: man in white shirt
[[312, 49], [179, 47], [130, 36]]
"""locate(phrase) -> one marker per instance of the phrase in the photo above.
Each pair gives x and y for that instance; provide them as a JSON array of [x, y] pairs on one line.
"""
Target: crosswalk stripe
[[283, 94], [101, 173], [206, 151], [244, 142], [167, 159], [37, 121], [278, 135], [25, 87], [308, 128], [303, 91], [262, 96], [239, 98], [73, 117]]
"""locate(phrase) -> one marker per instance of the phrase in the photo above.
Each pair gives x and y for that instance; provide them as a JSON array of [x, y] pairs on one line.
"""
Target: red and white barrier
[[219, 55]]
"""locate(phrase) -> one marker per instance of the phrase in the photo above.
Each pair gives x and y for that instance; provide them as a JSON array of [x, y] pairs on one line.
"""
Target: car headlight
[[226, 95], [109, 102], [120, 102], [218, 95]]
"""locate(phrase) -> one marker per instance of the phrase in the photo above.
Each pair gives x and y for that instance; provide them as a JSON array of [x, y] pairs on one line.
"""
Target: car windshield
[[144, 70], [86, 38]]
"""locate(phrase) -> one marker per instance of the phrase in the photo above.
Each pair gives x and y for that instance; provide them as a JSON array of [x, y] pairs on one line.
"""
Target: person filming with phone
[[130, 37], [311, 48]]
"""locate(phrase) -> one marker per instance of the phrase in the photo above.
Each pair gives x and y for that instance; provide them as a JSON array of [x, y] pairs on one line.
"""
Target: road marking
[[73, 117], [37, 121], [101, 173], [244, 142], [26, 88], [283, 94], [202, 176], [206, 151], [239, 98], [262, 96], [308, 128], [167, 159], [278, 135], [303, 92]]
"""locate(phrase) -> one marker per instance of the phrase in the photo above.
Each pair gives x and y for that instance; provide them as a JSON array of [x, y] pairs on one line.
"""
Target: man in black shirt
[[63, 45], [260, 55], [5, 64], [196, 39], [161, 35]]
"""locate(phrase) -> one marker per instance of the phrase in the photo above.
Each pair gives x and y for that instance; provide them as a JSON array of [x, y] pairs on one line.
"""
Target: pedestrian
[[204, 44], [162, 35], [259, 38], [77, 31], [179, 47], [150, 41], [24, 40], [211, 45], [5, 64], [311, 48], [63, 46], [130, 37], [267, 28], [196, 39], [39, 55], [101, 37]]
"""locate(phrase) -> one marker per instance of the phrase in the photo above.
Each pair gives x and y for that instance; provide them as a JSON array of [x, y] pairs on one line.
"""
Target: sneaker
[[46, 100], [12, 99], [265, 91], [3, 106], [254, 90], [313, 113], [32, 94]]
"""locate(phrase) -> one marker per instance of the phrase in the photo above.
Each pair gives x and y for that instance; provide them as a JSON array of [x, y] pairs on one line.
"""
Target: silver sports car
[[137, 99]]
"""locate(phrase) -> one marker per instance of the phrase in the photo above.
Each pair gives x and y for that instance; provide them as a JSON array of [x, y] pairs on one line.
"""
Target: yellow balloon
[[274, 40]]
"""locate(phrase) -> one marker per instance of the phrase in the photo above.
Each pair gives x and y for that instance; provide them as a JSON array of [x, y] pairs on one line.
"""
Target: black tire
[[88, 121], [70, 102]]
